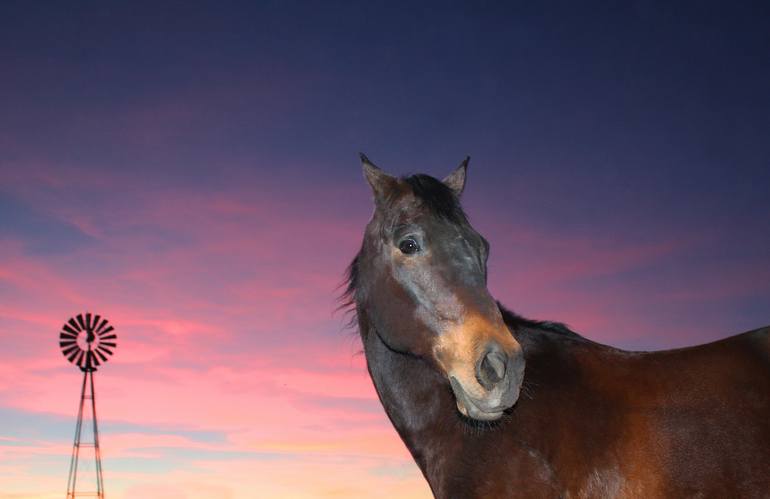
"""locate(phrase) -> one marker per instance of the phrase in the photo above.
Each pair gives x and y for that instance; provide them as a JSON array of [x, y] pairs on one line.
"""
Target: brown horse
[[582, 420]]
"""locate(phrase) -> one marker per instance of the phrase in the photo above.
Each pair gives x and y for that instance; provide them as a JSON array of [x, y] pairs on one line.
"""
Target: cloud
[[222, 297]]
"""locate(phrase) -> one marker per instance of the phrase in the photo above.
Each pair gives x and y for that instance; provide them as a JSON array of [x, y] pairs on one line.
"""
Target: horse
[[493, 405]]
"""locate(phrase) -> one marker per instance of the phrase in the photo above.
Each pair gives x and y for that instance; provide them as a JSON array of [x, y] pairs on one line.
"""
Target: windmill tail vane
[[86, 341]]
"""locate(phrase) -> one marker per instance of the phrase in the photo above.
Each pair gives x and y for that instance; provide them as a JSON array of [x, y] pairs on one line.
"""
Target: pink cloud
[[222, 299]]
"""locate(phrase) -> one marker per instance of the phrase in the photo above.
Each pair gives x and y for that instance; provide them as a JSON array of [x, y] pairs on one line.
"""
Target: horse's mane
[[347, 299], [513, 319], [436, 197], [441, 201]]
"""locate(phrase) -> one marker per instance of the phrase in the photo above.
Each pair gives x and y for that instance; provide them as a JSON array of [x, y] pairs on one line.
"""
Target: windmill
[[87, 341]]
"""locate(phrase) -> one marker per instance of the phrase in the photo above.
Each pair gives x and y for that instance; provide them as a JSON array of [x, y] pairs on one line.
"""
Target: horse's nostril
[[491, 369]]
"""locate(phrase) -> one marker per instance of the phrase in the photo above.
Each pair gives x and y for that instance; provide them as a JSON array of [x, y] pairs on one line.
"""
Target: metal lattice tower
[[87, 341]]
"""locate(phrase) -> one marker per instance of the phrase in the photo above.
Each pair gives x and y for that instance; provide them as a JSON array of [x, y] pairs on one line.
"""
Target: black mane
[[347, 299], [437, 197], [519, 321]]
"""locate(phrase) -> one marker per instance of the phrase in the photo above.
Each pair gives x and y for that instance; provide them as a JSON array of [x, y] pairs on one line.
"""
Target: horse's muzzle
[[498, 378]]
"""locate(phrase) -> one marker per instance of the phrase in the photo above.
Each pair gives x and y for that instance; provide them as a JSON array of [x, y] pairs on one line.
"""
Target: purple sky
[[191, 172]]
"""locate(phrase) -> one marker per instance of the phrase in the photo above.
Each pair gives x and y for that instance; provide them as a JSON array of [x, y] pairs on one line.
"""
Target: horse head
[[421, 285]]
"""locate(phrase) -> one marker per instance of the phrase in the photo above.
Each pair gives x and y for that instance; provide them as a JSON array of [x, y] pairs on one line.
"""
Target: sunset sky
[[191, 173]]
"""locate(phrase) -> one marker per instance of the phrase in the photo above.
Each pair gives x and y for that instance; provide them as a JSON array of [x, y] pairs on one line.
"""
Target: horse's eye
[[409, 246]]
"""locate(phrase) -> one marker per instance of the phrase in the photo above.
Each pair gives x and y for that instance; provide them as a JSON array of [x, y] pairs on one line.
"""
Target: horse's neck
[[422, 408], [415, 401]]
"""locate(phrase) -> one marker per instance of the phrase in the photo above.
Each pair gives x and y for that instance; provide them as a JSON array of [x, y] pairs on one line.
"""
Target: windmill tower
[[87, 341]]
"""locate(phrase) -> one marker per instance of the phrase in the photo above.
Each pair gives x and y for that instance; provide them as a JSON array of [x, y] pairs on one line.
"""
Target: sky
[[190, 171]]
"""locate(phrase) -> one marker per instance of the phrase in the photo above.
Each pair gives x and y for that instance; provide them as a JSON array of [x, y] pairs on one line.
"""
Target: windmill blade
[[63, 344], [106, 331], [74, 325], [96, 324], [88, 321], [101, 355], [81, 356], [108, 344], [69, 350], [69, 330], [102, 325], [81, 322], [74, 354], [104, 349], [108, 337], [65, 335]]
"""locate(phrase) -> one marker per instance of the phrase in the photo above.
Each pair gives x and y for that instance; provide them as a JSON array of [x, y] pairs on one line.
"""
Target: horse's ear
[[381, 182], [456, 179]]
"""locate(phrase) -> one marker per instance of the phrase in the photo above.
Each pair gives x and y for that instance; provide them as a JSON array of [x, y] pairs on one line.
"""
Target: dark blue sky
[[630, 122], [648, 102]]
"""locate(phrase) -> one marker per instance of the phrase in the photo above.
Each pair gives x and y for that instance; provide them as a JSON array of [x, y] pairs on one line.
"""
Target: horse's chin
[[469, 408], [477, 414]]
